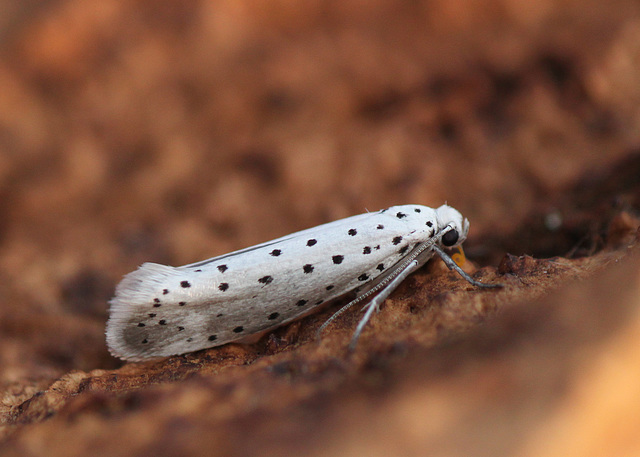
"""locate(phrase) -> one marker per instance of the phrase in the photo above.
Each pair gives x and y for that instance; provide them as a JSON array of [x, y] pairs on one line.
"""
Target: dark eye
[[450, 238]]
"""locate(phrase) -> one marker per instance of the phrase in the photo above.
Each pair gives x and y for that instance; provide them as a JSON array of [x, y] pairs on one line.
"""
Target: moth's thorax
[[420, 223]]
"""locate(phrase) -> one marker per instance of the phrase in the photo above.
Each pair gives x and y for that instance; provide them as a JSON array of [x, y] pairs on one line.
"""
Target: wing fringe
[[136, 289]]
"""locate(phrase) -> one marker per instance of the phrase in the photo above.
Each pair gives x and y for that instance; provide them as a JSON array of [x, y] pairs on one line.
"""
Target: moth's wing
[[152, 295], [160, 310], [300, 234]]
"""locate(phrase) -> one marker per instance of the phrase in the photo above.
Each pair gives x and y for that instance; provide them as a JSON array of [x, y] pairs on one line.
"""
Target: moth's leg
[[454, 266], [374, 304], [413, 266]]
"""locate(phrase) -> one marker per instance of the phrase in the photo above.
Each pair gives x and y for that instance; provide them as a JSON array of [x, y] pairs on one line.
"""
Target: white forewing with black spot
[[160, 310]]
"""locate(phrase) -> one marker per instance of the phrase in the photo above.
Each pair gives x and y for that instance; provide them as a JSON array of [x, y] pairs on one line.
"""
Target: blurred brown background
[[173, 131]]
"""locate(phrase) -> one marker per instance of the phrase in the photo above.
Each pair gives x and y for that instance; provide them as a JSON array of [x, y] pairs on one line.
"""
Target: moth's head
[[452, 226]]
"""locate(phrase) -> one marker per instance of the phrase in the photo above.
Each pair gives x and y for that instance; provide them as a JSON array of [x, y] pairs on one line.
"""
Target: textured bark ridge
[[175, 131]]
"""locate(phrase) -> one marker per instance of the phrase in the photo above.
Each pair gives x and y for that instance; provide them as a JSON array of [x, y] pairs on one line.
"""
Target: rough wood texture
[[169, 131]]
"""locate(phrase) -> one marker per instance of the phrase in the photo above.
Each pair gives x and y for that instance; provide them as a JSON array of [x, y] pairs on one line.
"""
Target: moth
[[160, 310]]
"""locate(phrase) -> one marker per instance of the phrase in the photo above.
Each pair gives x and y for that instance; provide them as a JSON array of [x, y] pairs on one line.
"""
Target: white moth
[[160, 310]]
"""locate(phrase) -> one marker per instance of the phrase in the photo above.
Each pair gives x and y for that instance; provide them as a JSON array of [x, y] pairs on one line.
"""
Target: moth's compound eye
[[450, 238]]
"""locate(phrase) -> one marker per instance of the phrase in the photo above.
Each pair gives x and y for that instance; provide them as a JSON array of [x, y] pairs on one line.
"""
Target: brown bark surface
[[173, 131]]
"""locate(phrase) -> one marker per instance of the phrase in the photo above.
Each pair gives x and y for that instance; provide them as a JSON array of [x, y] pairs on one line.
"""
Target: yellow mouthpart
[[459, 257]]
